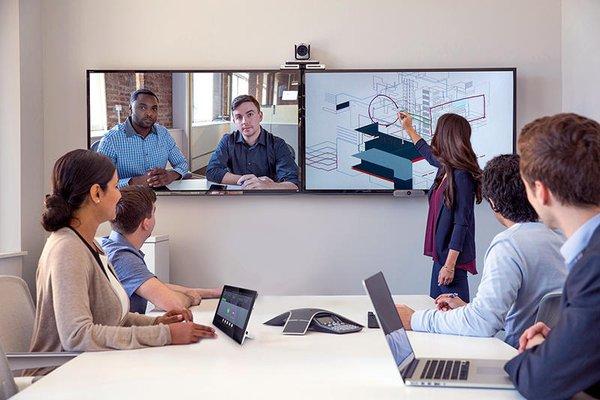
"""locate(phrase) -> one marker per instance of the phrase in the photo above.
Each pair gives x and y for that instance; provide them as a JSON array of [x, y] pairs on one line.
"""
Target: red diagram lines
[[468, 117]]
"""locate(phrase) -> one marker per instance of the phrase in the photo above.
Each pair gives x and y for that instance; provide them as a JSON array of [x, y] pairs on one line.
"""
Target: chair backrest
[[8, 387], [17, 314], [95, 145], [549, 309]]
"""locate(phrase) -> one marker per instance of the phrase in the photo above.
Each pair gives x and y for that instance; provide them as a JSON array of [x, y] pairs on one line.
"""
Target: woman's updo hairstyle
[[73, 176]]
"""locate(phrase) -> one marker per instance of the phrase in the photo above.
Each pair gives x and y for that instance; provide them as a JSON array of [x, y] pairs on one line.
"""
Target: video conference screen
[[233, 311], [355, 142], [194, 107]]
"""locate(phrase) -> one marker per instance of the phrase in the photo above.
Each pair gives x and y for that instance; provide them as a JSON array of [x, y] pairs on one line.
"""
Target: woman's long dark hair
[[451, 145], [74, 175]]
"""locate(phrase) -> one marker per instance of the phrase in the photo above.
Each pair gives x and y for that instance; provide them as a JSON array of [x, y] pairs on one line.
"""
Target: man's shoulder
[[115, 131], [161, 129], [584, 277], [527, 240], [531, 234], [118, 252], [589, 263]]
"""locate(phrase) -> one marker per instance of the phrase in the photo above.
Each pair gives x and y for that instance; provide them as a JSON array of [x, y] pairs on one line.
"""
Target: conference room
[[297, 199]]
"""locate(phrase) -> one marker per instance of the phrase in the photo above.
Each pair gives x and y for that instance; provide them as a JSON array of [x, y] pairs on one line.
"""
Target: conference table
[[272, 365]]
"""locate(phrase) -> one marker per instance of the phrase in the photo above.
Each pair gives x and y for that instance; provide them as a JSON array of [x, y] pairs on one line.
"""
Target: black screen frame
[[236, 333], [301, 121], [302, 149]]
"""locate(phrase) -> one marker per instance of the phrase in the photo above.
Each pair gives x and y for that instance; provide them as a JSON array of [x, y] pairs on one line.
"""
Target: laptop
[[466, 372]]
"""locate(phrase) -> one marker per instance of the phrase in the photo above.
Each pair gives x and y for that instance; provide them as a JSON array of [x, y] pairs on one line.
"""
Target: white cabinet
[[156, 256]]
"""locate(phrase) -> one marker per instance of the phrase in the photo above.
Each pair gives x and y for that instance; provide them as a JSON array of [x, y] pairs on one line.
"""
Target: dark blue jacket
[[568, 361], [455, 228]]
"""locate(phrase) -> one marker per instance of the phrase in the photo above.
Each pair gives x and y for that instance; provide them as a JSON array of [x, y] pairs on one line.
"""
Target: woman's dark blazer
[[455, 228]]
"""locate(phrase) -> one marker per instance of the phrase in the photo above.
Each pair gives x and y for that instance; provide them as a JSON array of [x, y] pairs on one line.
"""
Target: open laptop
[[429, 371]]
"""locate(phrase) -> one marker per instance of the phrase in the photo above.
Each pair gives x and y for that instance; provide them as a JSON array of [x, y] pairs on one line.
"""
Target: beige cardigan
[[77, 308]]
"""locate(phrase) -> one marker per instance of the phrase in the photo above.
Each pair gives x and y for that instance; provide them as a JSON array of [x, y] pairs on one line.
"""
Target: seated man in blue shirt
[[522, 264], [560, 164], [251, 156], [132, 226], [140, 148]]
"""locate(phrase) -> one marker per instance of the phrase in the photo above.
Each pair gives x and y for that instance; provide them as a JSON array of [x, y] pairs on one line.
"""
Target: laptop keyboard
[[446, 369]]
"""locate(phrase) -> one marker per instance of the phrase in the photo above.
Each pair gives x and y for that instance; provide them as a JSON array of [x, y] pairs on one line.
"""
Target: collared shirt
[[575, 245], [269, 156], [522, 264], [135, 156], [130, 267]]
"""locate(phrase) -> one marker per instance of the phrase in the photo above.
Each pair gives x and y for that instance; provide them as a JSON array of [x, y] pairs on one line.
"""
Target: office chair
[[8, 387], [549, 309], [17, 316], [94, 146]]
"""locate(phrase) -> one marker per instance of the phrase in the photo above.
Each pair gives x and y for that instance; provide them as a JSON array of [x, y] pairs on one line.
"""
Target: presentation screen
[[354, 141], [194, 109]]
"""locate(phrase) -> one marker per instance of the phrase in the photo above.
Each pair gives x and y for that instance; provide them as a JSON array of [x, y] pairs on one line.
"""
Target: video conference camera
[[302, 51]]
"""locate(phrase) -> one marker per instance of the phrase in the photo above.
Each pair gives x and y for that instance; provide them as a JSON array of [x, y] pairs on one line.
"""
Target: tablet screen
[[233, 311]]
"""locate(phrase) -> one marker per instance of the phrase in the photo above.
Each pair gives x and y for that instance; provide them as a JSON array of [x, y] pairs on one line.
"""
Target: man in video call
[[140, 147], [251, 156]]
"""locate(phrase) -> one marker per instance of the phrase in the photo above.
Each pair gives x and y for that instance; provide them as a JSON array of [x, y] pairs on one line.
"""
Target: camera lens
[[302, 50]]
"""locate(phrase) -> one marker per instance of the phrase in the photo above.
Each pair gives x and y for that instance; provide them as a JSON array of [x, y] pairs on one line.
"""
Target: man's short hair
[[563, 152], [136, 203], [244, 99], [134, 96], [502, 184]]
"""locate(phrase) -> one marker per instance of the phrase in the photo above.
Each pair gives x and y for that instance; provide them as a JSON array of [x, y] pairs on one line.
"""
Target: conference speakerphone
[[233, 312], [299, 321]]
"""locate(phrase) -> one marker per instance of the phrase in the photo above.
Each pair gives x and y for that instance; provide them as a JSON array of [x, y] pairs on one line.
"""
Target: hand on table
[[448, 301], [174, 316], [405, 314], [244, 178], [189, 332], [264, 182], [158, 177]]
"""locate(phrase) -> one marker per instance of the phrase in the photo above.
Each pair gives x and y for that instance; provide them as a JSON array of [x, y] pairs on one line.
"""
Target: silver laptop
[[429, 371]]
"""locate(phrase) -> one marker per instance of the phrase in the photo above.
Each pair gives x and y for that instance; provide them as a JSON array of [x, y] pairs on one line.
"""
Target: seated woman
[[81, 306]]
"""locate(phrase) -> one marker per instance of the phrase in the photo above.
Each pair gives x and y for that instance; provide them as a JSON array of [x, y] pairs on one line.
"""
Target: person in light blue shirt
[[140, 148], [522, 264]]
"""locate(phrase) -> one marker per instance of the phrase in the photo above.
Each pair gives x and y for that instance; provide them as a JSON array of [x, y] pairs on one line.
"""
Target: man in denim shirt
[[251, 156], [140, 148]]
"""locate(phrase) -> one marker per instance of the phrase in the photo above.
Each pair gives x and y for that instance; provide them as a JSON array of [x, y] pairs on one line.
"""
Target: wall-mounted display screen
[[354, 141], [186, 124]]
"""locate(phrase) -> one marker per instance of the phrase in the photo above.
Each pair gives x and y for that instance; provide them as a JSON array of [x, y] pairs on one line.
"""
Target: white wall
[[10, 111], [21, 137], [581, 57], [32, 149], [296, 244]]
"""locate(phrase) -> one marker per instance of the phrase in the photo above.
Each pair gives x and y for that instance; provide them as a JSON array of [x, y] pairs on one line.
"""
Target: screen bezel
[[236, 333], [88, 72], [302, 144]]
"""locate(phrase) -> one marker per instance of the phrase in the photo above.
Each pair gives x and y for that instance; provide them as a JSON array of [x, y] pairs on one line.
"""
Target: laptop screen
[[389, 320]]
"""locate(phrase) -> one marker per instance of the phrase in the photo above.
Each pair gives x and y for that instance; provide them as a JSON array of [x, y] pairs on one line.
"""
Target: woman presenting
[[450, 231]]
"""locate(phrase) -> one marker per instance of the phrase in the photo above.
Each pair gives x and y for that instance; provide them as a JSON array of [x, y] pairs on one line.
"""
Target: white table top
[[352, 366]]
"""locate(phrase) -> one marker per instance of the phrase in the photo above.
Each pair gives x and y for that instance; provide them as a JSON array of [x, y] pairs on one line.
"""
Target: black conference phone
[[300, 320]]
